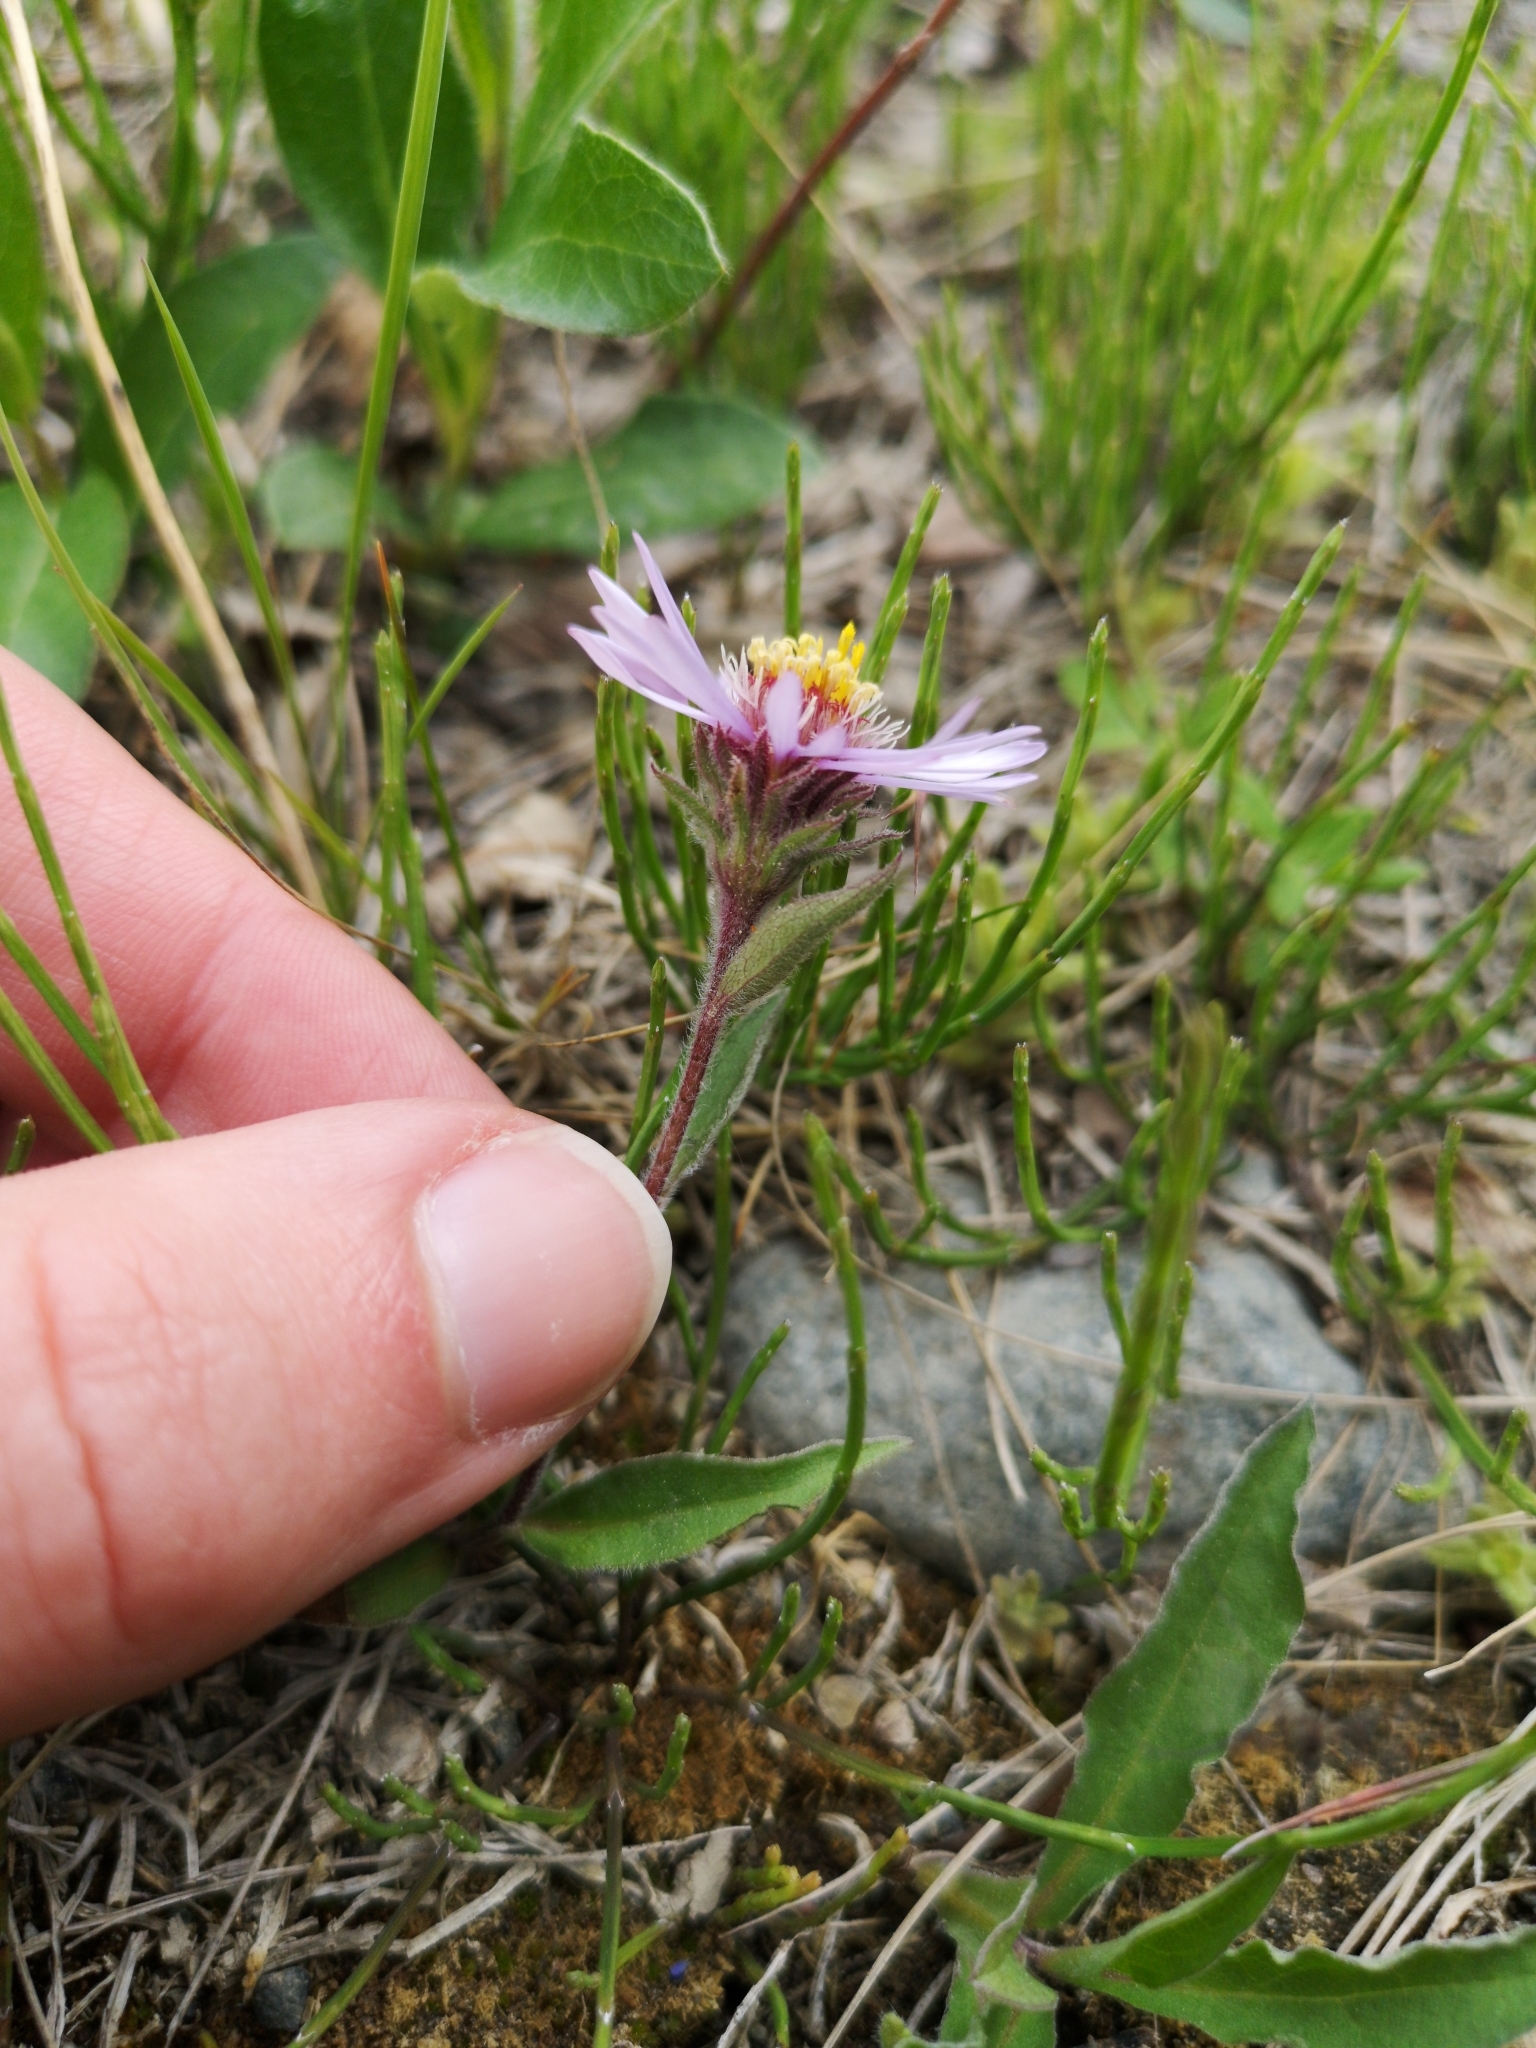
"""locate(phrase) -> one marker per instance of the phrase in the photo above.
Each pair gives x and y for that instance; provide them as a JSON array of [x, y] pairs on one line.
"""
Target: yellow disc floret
[[832, 677]]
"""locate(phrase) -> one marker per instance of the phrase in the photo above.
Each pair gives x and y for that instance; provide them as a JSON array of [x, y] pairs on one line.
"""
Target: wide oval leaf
[[340, 75], [39, 619], [649, 1511], [687, 460], [237, 316], [601, 241], [306, 498]]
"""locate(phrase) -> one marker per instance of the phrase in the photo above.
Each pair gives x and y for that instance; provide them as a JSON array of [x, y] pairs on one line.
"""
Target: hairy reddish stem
[[905, 60]]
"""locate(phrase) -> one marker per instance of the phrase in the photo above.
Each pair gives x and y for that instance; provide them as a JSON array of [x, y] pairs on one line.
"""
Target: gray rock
[[278, 2002], [1248, 1326]]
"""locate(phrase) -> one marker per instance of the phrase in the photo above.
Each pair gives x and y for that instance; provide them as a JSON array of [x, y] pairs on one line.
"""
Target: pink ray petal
[[781, 713]]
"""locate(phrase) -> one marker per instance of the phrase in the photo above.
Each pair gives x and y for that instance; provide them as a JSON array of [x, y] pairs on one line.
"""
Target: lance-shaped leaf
[[581, 45], [786, 936], [1176, 1944], [598, 241], [1433, 1994], [340, 76], [1232, 1605], [972, 1907], [730, 1073], [649, 1511], [23, 286]]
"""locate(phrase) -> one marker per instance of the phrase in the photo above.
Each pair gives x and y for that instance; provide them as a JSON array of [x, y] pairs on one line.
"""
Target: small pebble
[[894, 1727], [278, 2002]]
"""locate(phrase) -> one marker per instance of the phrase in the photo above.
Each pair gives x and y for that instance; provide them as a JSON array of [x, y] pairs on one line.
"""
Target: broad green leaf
[[396, 1586], [1179, 1943], [599, 241], [306, 499], [971, 1907], [39, 619], [581, 45], [785, 937], [236, 316], [729, 1075], [649, 1511], [683, 462], [1441, 1994], [1233, 1603], [339, 76], [23, 286]]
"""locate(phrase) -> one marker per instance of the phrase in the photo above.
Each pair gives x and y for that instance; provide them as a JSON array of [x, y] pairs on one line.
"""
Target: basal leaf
[[598, 241], [726, 1081], [236, 316], [339, 76], [23, 285], [1176, 1944], [685, 461], [396, 1586], [1232, 1605], [972, 1907], [581, 45], [1442, 1994], [649, 1511], [785, 937], [39, 619], [306, 499]]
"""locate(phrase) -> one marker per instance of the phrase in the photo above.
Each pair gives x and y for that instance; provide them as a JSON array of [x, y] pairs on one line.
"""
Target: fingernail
[[548, 1262]]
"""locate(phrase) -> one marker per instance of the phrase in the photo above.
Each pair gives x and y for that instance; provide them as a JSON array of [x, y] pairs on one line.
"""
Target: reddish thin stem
[[708, 1025], [905, 60]]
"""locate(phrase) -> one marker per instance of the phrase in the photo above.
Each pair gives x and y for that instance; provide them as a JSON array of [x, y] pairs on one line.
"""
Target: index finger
[[240, 1003]]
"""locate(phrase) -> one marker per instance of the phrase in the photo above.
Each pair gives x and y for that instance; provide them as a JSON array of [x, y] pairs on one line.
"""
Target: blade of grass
[[397, 294], [32, 1051], [239, 698], [1352, 299], [122, 1070], [240, 523], [468, 648]]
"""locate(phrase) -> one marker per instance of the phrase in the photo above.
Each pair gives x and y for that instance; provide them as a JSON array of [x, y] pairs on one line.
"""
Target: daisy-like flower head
[[792, 706]]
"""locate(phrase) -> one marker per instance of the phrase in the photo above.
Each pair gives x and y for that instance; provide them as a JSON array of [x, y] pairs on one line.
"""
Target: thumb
[[240, 1367]]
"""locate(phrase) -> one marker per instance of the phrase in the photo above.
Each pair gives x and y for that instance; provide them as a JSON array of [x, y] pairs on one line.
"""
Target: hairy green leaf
[[599, 241], [971, 1907], [649, 1511], [306, 499], [1232, 1605], [396, 1586], [39, 619], [580, 48], [786, 936], [23, 285], [685, 461], [1177, 1944], [1473, 1994], [340, 75], [729, 1076], [236, 316]]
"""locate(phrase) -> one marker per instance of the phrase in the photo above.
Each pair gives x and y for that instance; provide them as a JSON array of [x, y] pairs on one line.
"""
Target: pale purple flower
[[796, 702]]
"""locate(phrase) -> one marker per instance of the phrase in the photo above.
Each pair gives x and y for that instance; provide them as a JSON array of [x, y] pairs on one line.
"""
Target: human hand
[[360, 1293]]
